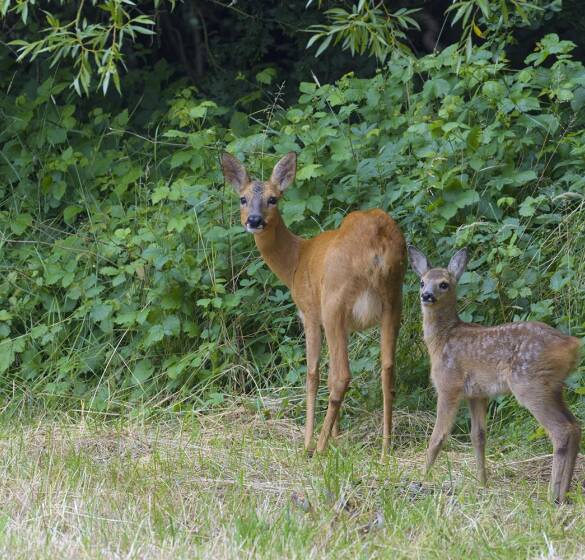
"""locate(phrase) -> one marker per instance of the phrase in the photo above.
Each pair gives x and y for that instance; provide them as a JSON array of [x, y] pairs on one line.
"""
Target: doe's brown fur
[[528, 359], [341, 280]]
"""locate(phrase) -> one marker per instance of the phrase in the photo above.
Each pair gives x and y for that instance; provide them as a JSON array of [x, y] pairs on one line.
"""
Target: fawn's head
[[259, 199], [438, 286]]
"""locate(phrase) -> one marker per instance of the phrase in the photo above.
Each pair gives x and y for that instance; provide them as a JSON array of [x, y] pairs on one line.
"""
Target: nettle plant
[[128, 276]]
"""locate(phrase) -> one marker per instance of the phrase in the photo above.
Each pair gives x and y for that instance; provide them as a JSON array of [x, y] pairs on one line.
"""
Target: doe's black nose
[[255, 221], [428, 296]]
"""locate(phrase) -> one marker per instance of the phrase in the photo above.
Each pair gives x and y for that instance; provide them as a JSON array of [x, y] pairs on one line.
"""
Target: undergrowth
[[126, 280]]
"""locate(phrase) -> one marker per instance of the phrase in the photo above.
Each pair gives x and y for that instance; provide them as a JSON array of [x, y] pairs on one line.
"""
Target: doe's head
[[259, 199], [438, 286]]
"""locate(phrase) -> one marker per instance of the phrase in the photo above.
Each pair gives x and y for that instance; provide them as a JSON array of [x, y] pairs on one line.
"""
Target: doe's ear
[[234, 172], [284, 171], [420, 264], [458, 263]]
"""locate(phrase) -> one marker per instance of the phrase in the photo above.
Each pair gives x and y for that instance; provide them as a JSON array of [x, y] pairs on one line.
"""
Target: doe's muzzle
[[255, 221]]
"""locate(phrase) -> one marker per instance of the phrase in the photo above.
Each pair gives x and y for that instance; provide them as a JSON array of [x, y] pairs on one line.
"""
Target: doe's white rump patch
[[367, 309]]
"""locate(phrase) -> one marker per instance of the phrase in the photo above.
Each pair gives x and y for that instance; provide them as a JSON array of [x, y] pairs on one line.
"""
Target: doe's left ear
[[458, 263], [284, 171], [234, 172]]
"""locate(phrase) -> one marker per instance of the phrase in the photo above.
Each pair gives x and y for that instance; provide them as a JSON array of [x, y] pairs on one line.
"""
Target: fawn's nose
[[255, 221], [428, 297]]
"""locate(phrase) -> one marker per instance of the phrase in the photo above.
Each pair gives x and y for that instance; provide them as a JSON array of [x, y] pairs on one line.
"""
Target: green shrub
[[126, 274]]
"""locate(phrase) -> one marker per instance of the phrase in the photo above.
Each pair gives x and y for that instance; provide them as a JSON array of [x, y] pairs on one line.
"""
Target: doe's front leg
[[313, 347]]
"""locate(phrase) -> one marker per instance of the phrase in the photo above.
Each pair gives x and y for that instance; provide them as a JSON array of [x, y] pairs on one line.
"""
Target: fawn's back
[[487, 361]]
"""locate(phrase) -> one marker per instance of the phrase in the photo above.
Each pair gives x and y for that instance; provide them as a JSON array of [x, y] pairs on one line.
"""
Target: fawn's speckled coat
[[528, 359]]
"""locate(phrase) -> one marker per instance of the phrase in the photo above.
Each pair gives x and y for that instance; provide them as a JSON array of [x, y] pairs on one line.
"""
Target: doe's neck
[[279, 248]]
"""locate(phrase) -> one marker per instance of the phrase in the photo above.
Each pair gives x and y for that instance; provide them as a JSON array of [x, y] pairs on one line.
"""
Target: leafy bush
[[127, 275]]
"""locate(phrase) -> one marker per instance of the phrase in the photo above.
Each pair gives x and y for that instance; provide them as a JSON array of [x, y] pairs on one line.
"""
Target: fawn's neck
[[279, 248], [437, 324]]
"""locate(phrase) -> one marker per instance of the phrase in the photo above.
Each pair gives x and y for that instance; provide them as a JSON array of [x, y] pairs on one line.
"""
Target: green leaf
[[266, 76], [315, 203], [21, 223], [307, 87], [7, 355], [172, 326], [70, 213], [160, 193], [142, 371], [101, 311], [520, 179], [198, 112], [231, 300], [309, 171], [155, 334], [180, 158]]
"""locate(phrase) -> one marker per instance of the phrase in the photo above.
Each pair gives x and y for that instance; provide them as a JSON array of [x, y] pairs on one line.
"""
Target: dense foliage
[[127, 277]]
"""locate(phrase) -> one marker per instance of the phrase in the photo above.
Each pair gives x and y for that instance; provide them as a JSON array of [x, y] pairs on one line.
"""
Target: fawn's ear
[[457, 263], [420, 264], [234, 172], [284, 171]]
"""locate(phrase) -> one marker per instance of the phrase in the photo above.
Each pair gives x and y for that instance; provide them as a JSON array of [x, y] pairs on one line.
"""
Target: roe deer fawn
[[529, 359], [342, 280]]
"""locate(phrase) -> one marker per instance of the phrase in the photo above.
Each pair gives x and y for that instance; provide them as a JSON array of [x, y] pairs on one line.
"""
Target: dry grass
[[236, 484]]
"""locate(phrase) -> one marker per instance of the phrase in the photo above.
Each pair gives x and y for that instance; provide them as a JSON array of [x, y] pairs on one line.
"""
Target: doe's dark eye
[[443, 285], [243, 201], [272, 200], [422, 284]]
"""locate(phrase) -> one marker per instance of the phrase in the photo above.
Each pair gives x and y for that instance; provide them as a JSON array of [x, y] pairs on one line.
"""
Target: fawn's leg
[[390, 326], [478, 409], [313, 344], [564, 431], [447, 406], [339, 375]]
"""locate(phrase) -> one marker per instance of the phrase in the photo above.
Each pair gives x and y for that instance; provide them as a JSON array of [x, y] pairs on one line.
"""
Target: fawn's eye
[[243, 201], [272, 200], [422, 284], [443, 285]]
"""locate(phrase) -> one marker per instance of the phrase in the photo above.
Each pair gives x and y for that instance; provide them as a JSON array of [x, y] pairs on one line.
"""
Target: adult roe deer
[[529, 359], [342, 280]]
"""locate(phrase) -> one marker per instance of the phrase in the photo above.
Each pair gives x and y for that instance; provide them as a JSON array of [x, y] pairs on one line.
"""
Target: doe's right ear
[[234, 172], [420, 264]]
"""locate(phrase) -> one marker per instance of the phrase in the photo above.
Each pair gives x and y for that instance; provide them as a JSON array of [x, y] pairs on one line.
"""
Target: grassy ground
[[236, 484]]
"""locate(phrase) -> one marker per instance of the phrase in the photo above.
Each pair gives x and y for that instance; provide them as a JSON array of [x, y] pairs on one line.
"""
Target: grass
[[236, 484]]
